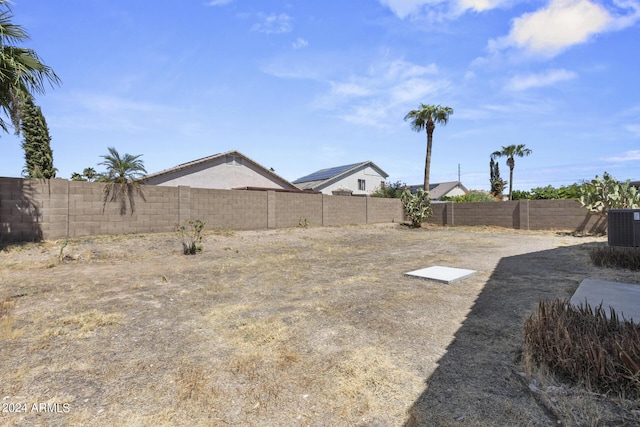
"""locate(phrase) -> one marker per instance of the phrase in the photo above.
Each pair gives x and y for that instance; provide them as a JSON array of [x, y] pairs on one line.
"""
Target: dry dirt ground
[[308, 327]]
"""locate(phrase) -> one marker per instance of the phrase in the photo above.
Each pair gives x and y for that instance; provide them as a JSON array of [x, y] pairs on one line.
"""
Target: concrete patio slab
[[442, 274], [623, 297]]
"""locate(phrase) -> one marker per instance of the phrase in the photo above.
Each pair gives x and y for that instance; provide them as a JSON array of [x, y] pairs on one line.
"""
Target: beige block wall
[[54, 209], [291, 208]]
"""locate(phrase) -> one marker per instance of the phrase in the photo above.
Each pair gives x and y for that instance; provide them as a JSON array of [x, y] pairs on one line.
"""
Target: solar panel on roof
[[323, 174]]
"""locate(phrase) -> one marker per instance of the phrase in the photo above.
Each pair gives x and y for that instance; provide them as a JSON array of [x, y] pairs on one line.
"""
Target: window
[[361, 185]]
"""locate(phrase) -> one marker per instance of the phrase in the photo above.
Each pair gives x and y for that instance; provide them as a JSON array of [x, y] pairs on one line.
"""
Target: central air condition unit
[[623, 227]]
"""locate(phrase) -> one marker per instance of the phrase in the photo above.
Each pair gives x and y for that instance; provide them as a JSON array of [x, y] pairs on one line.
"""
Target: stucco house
[[226, 171], [442, 189], [359, 179]]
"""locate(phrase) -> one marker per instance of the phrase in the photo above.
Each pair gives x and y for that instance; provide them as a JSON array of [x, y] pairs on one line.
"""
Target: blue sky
[[304, 85]]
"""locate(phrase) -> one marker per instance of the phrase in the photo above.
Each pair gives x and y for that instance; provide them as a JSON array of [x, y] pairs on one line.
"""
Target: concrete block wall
[[381, 210], [54, 209], [236, 209], [290, 208], [344, 210], [519, 214]]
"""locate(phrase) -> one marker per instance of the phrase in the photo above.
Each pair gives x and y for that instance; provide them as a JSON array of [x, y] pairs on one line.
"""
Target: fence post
[[449, 216], [271, 209]]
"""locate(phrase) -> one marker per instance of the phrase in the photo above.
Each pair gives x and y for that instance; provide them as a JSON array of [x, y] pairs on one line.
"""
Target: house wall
[[372, 178], [222, 173]]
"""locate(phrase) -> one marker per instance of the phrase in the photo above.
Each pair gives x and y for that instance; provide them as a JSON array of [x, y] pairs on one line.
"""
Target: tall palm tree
[[425, 118], [121, 179], [510, 152], [22, 73]]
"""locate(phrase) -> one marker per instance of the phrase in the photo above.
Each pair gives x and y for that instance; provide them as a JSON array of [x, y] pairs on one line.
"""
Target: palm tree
[[90, 174], [510, 152], [121, 179], [22, 73], [426, 118]]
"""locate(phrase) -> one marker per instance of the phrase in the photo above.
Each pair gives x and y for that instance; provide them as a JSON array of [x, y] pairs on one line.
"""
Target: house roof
[[327, 176], [439, 189], [216, 156]]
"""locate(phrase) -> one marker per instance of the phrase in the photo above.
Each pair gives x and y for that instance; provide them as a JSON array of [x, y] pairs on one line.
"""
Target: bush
[[616, 256], [583, 345], [471, 196], [417, 206], [192, 237], [390, 190]]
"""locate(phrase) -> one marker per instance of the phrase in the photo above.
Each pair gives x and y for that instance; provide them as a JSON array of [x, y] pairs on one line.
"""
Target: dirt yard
[[308, 327]]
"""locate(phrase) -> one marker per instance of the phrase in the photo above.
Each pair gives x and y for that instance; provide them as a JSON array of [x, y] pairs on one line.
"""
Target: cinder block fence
[[53, 209]]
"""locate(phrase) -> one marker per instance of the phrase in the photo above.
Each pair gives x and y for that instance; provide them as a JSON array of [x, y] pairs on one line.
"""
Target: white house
[[442, 189], [229, 170], [359, 179]]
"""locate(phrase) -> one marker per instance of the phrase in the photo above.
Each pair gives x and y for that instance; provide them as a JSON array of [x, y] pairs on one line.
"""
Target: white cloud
[[478, 5], [273, 24], [218, 2], [562, 24], [627, 156], [300, 43], [404, 8], [547, 78]]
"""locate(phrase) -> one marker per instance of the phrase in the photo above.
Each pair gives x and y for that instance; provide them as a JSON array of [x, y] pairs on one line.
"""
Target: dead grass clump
[[586, 346], [616, 256], [8, 330], [81, 324]]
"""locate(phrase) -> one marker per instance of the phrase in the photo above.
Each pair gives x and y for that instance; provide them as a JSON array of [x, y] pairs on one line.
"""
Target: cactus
[[604, 193], [417, 207]]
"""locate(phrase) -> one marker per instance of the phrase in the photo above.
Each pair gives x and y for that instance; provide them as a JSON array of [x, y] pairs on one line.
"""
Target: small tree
[[601, 194], [121, 179], [417, 206], [510, 152], [37, 143], [390, 190], [497, 183]]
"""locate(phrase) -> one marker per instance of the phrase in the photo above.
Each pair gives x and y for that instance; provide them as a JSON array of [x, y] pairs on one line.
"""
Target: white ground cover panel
[[442, 274], [623, 297]]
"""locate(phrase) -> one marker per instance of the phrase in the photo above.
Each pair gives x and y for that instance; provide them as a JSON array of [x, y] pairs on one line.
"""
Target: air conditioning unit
[[623, 227]]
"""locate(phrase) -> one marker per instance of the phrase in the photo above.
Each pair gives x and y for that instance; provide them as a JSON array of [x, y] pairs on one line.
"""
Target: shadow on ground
[[478, 381]]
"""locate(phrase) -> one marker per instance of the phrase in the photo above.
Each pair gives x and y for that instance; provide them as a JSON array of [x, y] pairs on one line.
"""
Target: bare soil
[[309, 327]]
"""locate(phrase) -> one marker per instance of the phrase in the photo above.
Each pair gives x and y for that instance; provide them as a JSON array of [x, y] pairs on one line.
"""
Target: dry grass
[[313, 326]]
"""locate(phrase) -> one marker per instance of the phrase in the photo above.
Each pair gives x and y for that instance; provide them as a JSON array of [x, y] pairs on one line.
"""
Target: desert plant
[[417, 206], [510, 152], [497, 183], [425, 118], [471, 196], [616, 256], [303, 223], [604, 193], [191, 237], [121, 179], [586, 346], [390, 190]]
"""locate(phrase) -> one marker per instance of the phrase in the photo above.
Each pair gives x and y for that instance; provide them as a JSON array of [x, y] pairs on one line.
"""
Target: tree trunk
[[427, 162], [512, 163]]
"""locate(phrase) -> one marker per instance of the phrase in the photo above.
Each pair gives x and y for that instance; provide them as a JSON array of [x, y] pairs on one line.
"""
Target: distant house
[[358, 179], [442, 189], [229, 170]]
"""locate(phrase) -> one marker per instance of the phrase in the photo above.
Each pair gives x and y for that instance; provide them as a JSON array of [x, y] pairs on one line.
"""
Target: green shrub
[[390, 190], [616, 256], [417, 206], [601, 194], [192, 237], [471, 196], [585, 346]]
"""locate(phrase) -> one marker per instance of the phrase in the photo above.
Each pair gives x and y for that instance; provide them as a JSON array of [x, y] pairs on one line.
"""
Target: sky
[[300, 85]]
